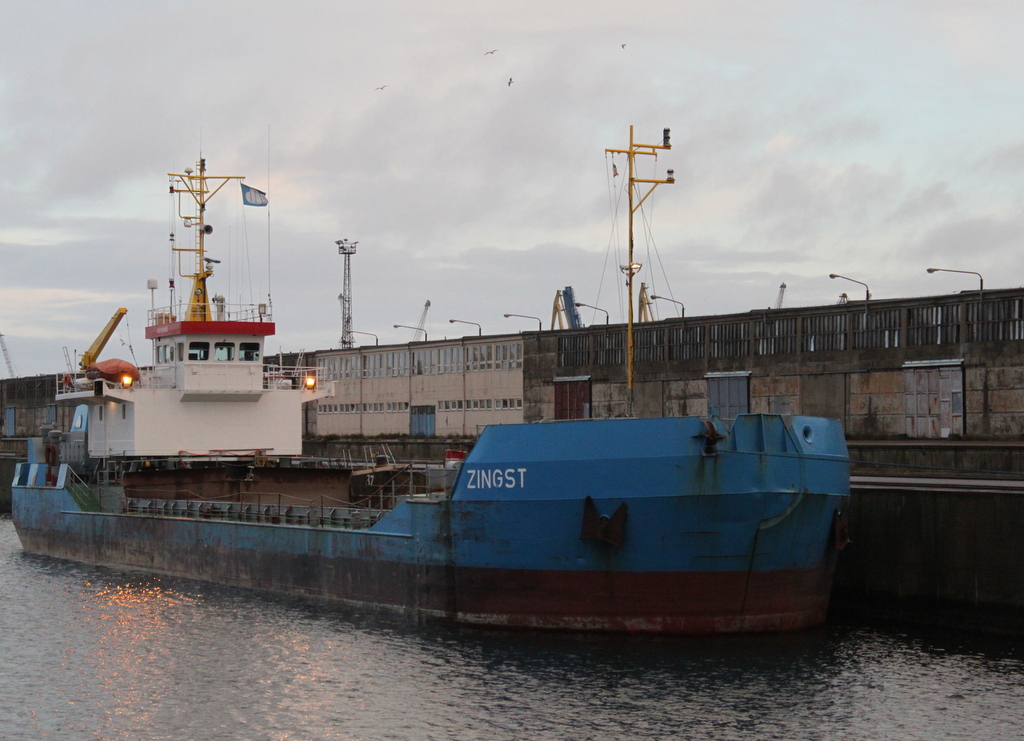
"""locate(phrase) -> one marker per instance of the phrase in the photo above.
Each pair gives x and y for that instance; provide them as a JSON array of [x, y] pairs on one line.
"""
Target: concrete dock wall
[[938, 553]]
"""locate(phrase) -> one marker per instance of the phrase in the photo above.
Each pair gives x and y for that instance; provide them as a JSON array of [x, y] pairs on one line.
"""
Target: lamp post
[[981, 281], [376, 341], [479, 329], [867, 293], [598, 308], [415, 329], [981, 289], [682, 309], [540, 324]]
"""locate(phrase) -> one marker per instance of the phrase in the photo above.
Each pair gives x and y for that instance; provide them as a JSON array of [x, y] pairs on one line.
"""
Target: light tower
[[347, 249]]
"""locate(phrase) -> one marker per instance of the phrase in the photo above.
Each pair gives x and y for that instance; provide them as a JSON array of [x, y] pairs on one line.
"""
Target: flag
[[615, 171], [253, 197]]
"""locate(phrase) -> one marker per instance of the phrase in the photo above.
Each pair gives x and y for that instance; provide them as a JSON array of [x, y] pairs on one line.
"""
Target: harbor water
[[91, 652]]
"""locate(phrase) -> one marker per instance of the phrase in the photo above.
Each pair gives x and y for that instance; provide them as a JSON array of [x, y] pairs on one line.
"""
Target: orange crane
[[89, 356]]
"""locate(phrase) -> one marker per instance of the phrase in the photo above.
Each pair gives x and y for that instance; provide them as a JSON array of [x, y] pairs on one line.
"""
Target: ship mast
[[631, 268], [202, 188]]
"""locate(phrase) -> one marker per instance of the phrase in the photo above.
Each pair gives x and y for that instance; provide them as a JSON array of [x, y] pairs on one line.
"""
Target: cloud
[[806, 139]]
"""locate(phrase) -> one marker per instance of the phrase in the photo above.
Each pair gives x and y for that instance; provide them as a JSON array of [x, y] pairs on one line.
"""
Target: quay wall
[[934, 554]]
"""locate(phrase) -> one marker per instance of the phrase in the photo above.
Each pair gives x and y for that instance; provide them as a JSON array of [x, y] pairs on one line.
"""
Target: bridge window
[[249, 351], [199, 351], [224, 351]]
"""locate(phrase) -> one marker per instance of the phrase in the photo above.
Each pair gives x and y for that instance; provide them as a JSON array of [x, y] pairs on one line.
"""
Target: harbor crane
[[7, 358], [782, 293], [419, 326]]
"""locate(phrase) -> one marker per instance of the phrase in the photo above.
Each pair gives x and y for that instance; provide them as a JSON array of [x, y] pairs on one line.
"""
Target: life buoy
[[67, 380], [50, 455]]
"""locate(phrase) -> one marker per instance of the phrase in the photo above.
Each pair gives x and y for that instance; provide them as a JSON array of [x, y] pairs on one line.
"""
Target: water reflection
[[93, 653]]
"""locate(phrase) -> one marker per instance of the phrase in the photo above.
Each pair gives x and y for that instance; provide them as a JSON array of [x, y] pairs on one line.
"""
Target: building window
[[650, 344], [573, 350]]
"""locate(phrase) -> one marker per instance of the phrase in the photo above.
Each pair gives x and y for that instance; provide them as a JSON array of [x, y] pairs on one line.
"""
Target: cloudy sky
[[871, 139]]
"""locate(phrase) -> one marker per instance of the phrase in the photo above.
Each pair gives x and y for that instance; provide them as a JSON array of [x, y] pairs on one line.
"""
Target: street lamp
[[479, 329], [540, 324], [867, 293], [981, 281], [578, 303], [415, 329], [376, 341], [682, 309]]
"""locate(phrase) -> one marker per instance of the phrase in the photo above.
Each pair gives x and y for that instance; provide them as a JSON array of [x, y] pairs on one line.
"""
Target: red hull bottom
[[669, 603]]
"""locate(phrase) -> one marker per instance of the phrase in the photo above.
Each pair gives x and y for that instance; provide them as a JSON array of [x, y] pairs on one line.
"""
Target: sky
[[871, 139]]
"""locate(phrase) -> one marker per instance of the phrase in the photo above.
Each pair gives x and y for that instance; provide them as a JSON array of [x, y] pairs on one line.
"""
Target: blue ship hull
[[646, 525]]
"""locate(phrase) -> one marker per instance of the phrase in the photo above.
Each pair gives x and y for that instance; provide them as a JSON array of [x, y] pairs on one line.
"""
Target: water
[[96, 653]]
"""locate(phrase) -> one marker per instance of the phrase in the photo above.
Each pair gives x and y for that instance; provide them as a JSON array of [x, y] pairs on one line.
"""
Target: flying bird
[[381, 87], [491, 51], [623, 46], [510, 82]]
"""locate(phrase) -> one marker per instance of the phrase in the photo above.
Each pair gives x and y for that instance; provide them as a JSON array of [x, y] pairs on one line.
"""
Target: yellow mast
[[202, 188], [631, 268]]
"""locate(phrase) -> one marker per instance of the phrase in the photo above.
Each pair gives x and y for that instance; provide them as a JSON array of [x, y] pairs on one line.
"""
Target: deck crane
[[782, 293], [7, 358], [89, 356]]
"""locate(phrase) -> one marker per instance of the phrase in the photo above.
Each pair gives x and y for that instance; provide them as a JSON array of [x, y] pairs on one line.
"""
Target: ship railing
[[76, 383], [290, 376], [84, 496], [347, 517], [219, 311]]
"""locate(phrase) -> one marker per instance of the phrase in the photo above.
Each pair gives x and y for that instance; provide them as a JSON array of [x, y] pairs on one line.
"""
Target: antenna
[[347, 249]]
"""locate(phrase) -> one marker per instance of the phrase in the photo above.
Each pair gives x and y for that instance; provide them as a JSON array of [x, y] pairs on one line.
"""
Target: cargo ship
[[666, 525]]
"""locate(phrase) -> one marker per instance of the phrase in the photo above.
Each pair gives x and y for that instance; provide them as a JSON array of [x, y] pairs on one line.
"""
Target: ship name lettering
[[496, 478]]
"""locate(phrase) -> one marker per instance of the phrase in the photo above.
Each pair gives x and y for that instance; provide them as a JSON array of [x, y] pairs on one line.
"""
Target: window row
[[425, 362], [475, 405], [366, 408], [167, 352]]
